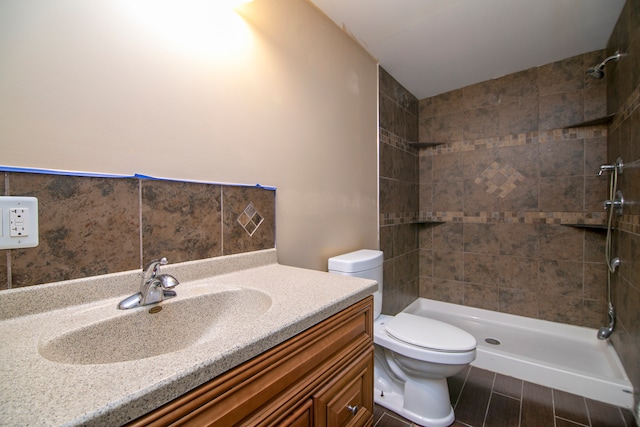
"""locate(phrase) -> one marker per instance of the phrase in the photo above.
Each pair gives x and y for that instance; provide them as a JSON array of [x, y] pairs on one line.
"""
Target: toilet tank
[[364, 263]]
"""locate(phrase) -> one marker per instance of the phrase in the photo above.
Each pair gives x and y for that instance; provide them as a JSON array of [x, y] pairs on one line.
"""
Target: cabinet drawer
[[301, 416], [347, 399]]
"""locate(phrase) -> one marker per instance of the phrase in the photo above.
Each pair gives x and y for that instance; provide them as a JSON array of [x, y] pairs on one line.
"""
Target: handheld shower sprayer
[[614, 205], [597, 72]]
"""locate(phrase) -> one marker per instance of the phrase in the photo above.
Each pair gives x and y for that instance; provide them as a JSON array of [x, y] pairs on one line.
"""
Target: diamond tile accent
[[250, 219], [501, 179]]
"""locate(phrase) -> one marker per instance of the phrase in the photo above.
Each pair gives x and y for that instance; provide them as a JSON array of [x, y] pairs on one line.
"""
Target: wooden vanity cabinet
[[321, 377]]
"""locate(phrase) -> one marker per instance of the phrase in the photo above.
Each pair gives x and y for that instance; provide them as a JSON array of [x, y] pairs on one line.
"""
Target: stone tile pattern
[[513, 170], [623, 100], [484, 398], [90, 226], [399, 182]]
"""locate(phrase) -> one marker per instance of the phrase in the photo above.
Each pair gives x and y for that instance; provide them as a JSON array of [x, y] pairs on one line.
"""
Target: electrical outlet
[[19, 222]]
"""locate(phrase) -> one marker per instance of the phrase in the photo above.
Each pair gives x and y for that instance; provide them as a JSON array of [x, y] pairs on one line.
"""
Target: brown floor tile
[[537, 406], [503, 411], [388, 420], [488, 399], [570, 407], [561, 422], [455, 385], [628, 417], [509, 386], [472, 405], [378, 412], [603, 415]]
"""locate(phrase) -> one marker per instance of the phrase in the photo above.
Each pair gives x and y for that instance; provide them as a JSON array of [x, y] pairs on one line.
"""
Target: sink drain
[[492, 341]]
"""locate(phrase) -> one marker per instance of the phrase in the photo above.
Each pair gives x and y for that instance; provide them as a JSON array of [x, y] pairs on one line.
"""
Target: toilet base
[[427, 406]]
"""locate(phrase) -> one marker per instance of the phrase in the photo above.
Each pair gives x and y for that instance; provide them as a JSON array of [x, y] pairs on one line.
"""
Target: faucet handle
[[167, 281], [153, 266]]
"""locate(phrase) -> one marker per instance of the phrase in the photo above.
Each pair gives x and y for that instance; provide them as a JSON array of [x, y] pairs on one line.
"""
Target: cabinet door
[[347, 400]]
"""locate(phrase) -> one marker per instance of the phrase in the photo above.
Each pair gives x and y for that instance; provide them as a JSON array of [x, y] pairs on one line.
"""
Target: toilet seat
[[429, 333], [383, 338]]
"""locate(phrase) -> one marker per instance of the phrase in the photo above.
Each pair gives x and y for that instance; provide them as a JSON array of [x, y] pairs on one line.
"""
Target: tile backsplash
[[93, 225]]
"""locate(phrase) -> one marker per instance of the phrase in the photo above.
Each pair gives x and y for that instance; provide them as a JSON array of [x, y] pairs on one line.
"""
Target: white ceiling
[[434, 46]]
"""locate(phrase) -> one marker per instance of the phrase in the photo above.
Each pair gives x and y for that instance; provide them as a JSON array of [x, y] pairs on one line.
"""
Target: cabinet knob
[[352, 409]]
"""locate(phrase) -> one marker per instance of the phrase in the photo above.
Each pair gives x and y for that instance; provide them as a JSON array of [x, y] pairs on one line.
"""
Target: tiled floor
[[484, 398]]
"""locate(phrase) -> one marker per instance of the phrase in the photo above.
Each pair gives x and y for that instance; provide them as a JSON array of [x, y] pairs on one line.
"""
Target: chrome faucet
[[155, 288]]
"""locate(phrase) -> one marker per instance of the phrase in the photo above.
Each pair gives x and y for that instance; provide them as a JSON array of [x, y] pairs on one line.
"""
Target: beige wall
[[100, 87]]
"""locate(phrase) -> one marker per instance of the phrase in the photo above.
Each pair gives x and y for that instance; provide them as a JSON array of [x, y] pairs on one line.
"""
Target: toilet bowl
[[414, 355]]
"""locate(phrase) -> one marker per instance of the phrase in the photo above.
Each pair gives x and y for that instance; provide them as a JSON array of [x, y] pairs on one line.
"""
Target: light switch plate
[[19, 222]]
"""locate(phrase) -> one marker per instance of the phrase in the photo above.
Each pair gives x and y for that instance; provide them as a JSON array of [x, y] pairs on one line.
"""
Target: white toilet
[[414, 355]]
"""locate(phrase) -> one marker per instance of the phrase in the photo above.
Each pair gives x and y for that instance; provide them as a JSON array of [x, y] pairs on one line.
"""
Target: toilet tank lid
[[364, 259], [429, 333]]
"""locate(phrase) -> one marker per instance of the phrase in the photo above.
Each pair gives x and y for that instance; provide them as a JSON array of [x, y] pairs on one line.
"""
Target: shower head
[[597, 72]]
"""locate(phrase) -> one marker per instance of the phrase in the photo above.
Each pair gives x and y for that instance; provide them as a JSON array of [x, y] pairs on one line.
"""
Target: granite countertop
[[38, 391]]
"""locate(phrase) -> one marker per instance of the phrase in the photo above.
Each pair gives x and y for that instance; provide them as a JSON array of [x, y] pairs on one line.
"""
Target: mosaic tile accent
[[629, 224], [560, 218], [250, 219], [499, 178], [543, 136], [396, 141], [396, 219]]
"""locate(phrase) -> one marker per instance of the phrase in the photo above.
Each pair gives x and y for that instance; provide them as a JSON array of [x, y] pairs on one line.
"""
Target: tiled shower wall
[[511, 200], [398, 193], [623, 101], [90, 225]]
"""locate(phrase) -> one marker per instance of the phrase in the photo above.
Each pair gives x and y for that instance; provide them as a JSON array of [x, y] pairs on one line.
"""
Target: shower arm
[[615, 57]]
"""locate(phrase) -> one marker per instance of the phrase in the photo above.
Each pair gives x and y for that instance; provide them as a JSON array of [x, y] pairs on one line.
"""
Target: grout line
[[506, 395], [587, 409], [222, 221], [572, 422], [464, 383], [395, 418], [553, 406], [140, 232], [521, 403], [486, 412]]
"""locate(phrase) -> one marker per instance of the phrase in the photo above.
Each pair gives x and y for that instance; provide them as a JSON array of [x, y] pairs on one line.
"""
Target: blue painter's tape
[[105, 175], [59, 172]]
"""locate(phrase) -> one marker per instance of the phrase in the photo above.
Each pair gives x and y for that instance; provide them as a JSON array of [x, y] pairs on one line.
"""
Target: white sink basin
[[104, 334]]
